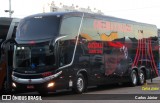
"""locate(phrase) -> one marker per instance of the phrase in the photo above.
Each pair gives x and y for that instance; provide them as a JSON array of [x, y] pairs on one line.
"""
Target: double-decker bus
[[7, 34], [74, 50]]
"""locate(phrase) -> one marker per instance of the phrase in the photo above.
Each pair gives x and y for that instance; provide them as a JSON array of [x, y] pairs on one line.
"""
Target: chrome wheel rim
[[80, 84], [134, 78], [141, 78]]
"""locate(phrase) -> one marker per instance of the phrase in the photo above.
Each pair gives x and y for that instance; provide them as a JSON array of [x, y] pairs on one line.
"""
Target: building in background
[[52, 7]]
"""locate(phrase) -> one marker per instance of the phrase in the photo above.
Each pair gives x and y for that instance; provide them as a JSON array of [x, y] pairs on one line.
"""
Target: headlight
[[51, 84]]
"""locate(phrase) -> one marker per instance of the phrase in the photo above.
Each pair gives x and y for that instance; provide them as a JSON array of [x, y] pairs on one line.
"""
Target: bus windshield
[[35, 56], [38, 27]]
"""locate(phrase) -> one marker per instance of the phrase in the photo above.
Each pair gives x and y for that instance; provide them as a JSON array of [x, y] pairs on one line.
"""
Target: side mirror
[[3, 45], [54, 41], [51, 45]]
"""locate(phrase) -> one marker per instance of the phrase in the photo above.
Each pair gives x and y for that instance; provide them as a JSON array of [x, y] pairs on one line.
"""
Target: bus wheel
[[141, 78], [80, 84], [133, 78]]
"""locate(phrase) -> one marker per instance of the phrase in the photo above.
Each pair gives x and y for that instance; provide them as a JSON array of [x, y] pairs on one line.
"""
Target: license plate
[[30, 87]]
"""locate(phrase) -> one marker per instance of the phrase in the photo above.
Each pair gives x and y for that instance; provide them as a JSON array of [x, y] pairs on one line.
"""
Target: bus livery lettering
[[112, 26]]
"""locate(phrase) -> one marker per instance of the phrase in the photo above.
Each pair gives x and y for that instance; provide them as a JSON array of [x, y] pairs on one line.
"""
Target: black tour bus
[[74, 50], [7, 34]]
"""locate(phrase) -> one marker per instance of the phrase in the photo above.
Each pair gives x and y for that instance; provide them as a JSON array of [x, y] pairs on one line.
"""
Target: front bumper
[[35, 81], [39, 83], [37, 87]]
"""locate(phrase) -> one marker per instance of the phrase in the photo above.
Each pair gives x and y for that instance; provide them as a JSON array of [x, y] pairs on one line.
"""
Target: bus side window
[[63, 56], [69, 28], [88, 31]]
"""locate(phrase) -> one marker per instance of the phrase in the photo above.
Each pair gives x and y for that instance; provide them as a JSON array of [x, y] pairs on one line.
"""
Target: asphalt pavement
[[147, 93]]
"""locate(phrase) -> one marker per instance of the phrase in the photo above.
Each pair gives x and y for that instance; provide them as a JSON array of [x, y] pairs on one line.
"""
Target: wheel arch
[[84, 73], [136, 69]]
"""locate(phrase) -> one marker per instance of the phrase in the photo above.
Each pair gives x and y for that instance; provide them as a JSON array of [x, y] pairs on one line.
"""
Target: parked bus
[[7, 33], [74, 50]]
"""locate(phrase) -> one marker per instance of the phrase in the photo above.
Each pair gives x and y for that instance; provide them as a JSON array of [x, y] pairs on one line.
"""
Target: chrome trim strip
[[59, 38], [35, 81]]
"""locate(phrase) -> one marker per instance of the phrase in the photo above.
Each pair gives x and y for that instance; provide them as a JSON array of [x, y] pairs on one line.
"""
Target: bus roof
[[76, 13]]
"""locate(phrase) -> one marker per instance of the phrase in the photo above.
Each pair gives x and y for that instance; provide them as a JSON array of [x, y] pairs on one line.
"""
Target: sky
[[146, 11]]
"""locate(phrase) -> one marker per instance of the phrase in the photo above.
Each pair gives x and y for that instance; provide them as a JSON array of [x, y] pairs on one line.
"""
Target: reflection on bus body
[[113, 61]]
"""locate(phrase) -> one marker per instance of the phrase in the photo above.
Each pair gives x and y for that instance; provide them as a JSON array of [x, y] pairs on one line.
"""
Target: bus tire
[[80, 84], [133, 78], [141, 78]]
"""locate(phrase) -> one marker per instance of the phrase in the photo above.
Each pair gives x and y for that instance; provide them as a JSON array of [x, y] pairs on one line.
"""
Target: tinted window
[[88, 31], [70, 26], [38, 28]]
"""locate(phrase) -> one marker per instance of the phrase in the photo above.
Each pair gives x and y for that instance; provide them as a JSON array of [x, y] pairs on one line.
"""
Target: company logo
[[13, 97], [6, 97]]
